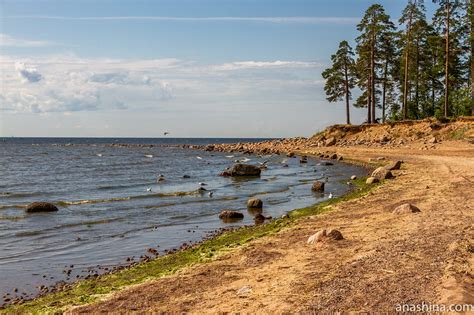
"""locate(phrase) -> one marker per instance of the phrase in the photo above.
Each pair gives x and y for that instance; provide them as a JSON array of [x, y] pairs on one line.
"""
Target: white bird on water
[[148, 189], [330, 195], [210, 194], [198, 157]]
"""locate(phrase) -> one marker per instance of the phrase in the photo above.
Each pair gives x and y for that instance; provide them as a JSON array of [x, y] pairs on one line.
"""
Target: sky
[[194, 68]]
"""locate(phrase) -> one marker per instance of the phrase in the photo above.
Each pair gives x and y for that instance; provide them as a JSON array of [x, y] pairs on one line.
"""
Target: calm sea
[[107, 211]]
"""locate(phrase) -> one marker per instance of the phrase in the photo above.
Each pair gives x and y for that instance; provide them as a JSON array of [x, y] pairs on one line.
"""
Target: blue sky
[[195, 68]]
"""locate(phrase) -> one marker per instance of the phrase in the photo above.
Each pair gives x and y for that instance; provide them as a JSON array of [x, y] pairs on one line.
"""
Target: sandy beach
[[384, 260]]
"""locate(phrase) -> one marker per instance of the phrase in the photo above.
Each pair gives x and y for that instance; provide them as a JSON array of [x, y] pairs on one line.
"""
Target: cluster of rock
[[254, 207], [370, 135], [383, 172]]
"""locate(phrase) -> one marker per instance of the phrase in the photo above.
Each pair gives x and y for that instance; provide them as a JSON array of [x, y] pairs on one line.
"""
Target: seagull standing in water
[[330, 195]]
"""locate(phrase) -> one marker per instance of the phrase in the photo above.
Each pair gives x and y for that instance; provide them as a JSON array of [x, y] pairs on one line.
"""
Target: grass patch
[[87, 291], [459, 133]]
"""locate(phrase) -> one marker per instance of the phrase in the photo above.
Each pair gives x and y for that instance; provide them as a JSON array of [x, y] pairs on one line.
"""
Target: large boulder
[[242, 170], [382, 173], [254, 203], [406, 208], [318, 186], [41, 207], [330, 141], [230, 214], [394, 165]]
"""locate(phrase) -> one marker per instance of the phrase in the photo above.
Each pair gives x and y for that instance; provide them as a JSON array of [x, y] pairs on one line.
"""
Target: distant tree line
[[416, 70]]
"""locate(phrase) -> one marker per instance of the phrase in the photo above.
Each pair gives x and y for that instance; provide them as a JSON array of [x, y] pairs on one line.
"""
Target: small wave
[[12, 206], [67, 225], [191, 202], [112, 187], [7, 194], [28, 233], [152, 195], [87, 201]]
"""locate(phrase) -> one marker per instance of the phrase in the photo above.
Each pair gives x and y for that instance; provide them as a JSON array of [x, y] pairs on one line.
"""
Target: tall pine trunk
[[407, 56], [446, 69], [346, 87], [417, 81], [372, 75], [369, 100], [384, 89]]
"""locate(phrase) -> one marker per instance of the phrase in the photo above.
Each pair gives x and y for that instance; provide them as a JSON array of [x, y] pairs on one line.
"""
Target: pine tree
[[372, 27], [388, 60], [412, 13], [340, 77], [448, 21]]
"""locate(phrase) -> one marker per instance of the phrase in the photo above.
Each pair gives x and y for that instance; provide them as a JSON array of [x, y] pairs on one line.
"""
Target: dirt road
[[384, 259]]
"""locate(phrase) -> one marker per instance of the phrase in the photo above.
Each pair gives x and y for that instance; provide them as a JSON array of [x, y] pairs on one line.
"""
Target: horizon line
[[277, 20]]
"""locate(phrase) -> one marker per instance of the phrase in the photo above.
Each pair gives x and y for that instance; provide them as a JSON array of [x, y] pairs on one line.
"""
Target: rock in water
[[406, 208], [41, 207], [254, 203], [371, 180], [335, 235], [317, 237], [394, 166], [318, 186], [230, 214], [242, 170], [382, 173], [259, 218]]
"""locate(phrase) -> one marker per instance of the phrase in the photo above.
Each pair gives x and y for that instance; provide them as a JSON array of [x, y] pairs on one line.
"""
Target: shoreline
[[170, 264], [428, 254]]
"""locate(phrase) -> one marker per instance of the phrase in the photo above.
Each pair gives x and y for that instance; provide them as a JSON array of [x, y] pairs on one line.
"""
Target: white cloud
[[278, 19], [238, 65], [66, 83], [71, 84], [9, 41]]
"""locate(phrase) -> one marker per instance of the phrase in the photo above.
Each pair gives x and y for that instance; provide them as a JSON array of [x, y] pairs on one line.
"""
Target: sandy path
[[384, 259]]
